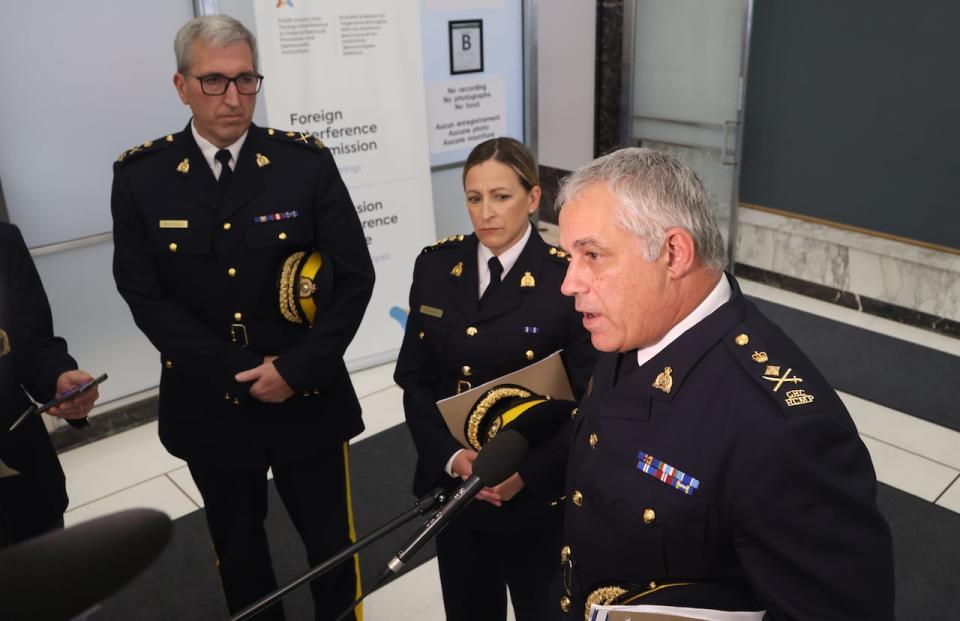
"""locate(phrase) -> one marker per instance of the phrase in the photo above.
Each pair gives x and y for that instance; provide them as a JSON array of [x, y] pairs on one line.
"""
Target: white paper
[[639, 613]]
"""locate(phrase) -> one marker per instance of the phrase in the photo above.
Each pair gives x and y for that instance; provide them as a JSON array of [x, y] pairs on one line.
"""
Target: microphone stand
[[438, 496]]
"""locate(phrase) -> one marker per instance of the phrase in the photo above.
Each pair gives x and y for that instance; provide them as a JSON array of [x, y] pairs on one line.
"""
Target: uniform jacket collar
[[247, 179], [683, 354], [509, 295]]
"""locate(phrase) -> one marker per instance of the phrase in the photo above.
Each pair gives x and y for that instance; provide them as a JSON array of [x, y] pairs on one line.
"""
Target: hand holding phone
[[71, 393]]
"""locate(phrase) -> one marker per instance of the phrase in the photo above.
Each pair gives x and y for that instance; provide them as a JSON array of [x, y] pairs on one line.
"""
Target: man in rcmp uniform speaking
[[215, 232], [711, 465]]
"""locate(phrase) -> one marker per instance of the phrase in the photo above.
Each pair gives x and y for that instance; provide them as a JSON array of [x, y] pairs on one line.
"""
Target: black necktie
[[496, 271], [223, 156]]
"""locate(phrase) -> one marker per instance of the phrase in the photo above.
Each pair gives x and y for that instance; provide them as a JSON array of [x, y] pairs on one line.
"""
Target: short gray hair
[[214, 30], [654, 192]]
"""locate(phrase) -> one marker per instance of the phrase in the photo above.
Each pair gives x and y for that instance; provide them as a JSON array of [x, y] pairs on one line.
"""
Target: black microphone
[[86, 562], [497, 460]]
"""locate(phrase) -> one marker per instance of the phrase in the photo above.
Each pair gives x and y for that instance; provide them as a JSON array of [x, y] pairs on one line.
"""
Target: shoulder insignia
[[303, 139], [149, 146], [779, 379], [445, 242], [558, 255]]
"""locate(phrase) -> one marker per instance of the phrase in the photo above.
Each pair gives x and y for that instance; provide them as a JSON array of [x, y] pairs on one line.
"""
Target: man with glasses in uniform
[[206, 222]]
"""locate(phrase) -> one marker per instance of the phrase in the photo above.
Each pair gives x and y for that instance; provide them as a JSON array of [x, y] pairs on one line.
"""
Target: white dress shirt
[[209, 151], [507, 258]]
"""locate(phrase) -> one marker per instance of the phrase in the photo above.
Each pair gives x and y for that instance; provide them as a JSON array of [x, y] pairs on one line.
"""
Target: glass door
[[685, 71]]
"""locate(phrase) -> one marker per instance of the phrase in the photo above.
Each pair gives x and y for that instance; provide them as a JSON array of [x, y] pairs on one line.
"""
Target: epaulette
[[558, 255], [445, 242], [303, 139], [150, 146], [776, 377]]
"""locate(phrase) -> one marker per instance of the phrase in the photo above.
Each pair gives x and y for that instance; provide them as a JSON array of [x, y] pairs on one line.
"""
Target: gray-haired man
[[711, 464], [206, 221]]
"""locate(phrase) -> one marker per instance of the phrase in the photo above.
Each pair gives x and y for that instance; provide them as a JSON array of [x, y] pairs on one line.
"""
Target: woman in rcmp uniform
[[483, 305]]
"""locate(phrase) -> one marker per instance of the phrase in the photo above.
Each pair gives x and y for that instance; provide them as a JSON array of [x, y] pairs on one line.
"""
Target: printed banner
[[350, 72]]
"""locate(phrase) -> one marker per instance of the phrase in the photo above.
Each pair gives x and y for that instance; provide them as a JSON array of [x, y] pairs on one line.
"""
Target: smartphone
[[76, 391]]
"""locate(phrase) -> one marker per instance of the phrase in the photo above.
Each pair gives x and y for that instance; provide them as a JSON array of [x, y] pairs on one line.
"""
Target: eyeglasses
[[216, 84]]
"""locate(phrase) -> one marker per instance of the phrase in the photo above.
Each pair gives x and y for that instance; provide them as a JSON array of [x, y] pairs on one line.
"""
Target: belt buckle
[[238, 334], [463, 385]]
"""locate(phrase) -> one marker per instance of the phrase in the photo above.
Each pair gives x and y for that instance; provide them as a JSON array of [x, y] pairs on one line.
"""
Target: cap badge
[[664, 381]]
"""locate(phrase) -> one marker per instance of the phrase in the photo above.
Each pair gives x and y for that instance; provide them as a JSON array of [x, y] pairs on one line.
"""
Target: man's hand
[[268, 386], [499, 494], [79, 406], [462, 465]]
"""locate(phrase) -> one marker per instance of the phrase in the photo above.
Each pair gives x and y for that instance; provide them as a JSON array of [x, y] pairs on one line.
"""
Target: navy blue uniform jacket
[[515, 327], [726, 457], [191, 262]]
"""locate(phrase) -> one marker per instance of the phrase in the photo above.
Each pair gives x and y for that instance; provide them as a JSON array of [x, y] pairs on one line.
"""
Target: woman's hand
[[499, 494]]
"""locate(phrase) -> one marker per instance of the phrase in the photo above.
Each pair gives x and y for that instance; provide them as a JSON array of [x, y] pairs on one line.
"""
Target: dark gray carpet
[[182, 584], [901, 375]]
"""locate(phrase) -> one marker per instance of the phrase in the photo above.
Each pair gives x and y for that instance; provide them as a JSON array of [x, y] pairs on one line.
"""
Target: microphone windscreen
[[500, 457], [63, 573]]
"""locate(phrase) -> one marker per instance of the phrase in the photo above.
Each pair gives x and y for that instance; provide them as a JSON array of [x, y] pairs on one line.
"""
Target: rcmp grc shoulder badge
[[782, 381]]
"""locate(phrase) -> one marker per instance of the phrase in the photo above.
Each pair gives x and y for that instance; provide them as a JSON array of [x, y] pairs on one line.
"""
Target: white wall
[[566, 51]]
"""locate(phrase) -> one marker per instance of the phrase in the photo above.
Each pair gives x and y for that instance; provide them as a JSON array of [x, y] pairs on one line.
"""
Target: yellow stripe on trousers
[[353, 531]]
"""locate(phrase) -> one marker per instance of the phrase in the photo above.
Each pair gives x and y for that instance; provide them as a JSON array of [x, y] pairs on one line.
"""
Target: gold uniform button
[[168, 364], [649, 516], [237, 316], [227, 396], [226, 226], [529, 354], [565, 603], [282, 236], [553, 250], [421, 334], [577, 498], [594, 440], [471, 331], [232, 272], [573, 412], [741, 340], [564, 554], [172, 247], [466, 371]]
